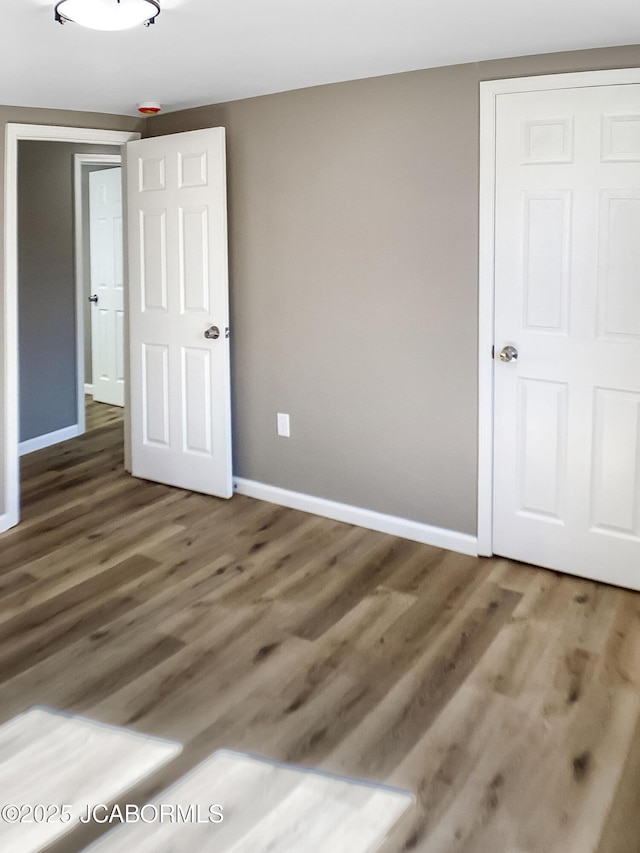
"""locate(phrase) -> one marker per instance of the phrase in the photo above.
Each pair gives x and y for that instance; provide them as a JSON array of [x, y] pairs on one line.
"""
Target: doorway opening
[[10, 387], [55, 226]]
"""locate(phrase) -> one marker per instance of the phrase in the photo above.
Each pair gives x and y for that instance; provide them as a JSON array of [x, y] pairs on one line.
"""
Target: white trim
[[485, 321], [88, 389], [425, 533], [80, 161], [48, 439], [577, 80], [9, 313], [9, 300], [76, 135], [489, 92]]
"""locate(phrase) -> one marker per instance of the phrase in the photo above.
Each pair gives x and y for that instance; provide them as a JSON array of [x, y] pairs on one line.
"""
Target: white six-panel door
[[567, 297], [107, 273], [180, 387]]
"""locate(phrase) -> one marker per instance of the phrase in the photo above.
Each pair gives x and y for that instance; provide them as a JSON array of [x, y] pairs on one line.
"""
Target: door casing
[[489, 92], [9, 431]]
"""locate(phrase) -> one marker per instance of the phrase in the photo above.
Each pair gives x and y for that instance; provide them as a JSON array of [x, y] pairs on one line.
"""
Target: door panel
[[197, 404], [180, 387], [155, 396], [153, 260], [616, 462], [107, 274], [194, 260], [542, 447], [567, 260], [546, 260], [619, 263]]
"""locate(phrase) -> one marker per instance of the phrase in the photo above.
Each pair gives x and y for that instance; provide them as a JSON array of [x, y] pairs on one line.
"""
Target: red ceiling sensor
[[149, 108]]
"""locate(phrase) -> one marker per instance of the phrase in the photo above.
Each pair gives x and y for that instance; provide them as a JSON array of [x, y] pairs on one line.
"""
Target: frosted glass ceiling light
[[107, 14]]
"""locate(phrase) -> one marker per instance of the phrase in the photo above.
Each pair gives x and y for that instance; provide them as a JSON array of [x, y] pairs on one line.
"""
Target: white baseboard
[[438, 536], [88, 389], [48, 439]]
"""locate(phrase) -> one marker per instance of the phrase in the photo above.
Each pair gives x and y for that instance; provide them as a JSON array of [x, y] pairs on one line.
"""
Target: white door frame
[[489, 91], [9, 418], [80, 161]]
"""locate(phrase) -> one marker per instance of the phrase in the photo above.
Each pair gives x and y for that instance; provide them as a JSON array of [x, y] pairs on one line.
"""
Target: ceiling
[[209, 51]]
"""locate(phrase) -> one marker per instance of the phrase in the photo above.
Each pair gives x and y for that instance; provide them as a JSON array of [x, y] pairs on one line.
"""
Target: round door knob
[[93, 298], [212, 333], [508, 354]]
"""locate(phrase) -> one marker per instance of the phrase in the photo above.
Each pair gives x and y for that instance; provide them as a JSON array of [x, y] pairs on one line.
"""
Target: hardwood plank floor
[[507, 698]]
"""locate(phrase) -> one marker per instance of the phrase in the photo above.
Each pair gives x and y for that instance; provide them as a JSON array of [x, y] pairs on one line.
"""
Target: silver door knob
[[508, 354], [212, 333], [93, 298]]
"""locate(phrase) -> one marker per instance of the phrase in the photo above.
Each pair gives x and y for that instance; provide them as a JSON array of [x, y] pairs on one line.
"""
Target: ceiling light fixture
[[107, 14]]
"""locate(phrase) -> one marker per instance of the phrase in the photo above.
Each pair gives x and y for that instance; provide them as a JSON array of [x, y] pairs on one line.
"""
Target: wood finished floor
[[506, 697]]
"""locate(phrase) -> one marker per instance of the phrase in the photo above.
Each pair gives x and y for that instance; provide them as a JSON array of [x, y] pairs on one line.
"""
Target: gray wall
[[353, 257], [46, 285]]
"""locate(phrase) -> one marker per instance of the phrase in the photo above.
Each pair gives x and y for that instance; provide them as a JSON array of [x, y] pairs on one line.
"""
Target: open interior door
[[179, 311], [107, 310]]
